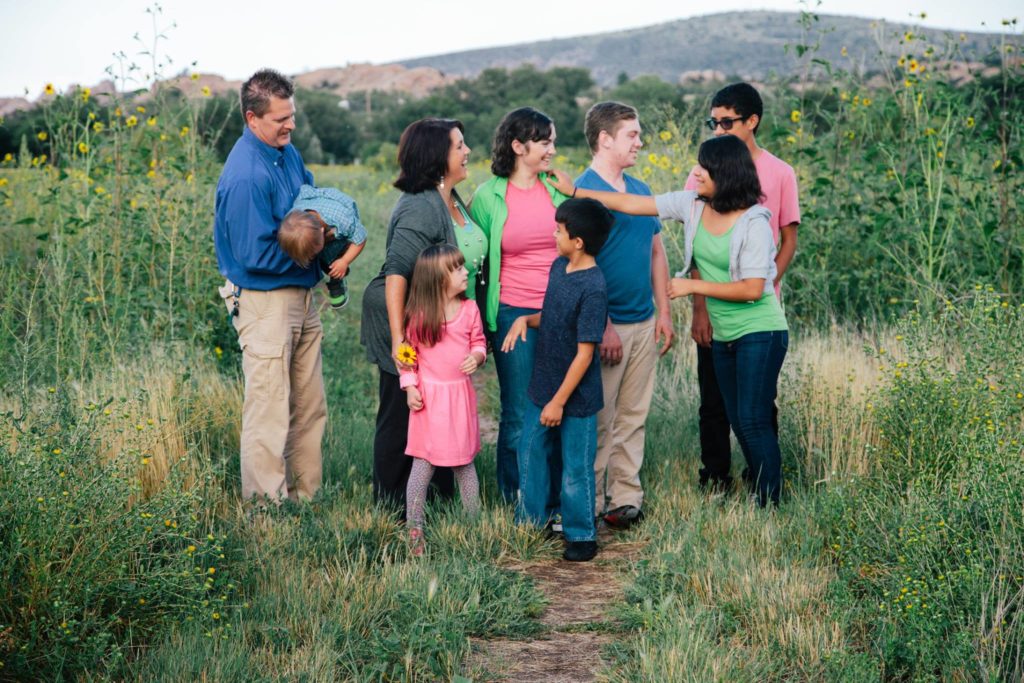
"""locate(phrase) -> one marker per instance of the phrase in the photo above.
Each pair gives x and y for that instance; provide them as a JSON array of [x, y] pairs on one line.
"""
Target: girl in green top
[[730, 255]]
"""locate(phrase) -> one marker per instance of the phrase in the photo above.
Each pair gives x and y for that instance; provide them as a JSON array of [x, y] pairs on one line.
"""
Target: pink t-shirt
[[778, 185], [527, 246]]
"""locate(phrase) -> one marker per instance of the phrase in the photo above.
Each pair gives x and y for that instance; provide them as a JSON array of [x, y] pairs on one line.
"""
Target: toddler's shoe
[[337, 293], [580, 551], [553, 529]]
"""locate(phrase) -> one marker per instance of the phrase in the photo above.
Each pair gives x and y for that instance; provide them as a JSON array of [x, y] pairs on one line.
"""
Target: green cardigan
[[489, 211]]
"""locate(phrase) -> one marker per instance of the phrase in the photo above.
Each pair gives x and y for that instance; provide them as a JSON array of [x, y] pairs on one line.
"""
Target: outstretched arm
[[633, 204]]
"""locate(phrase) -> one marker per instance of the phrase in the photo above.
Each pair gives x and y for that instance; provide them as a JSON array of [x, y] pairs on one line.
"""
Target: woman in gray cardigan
[[432, 157]]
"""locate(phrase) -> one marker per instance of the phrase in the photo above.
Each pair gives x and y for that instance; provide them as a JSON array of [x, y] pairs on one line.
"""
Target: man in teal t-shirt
[[636, 271]]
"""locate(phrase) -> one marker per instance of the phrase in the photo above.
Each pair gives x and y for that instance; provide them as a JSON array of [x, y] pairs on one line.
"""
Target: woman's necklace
[[466, 234]]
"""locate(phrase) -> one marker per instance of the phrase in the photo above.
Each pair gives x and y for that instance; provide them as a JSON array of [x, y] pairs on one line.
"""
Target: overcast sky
[[73, 41]]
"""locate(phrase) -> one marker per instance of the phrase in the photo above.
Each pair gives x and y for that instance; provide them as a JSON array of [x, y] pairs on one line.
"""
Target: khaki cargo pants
[[285, 409], [628, 389]]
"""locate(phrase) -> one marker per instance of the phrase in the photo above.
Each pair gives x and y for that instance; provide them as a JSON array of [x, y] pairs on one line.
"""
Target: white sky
[[73, 41]]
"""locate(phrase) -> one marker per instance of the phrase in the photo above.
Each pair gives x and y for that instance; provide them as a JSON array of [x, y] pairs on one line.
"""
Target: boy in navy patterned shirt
[[565, 388]]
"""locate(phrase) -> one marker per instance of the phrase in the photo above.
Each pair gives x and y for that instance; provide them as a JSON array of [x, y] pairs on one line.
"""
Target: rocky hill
[[750, 45]]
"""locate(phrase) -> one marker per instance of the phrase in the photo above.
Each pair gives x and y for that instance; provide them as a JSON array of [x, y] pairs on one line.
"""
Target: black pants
[[391, 466], [715, 448]]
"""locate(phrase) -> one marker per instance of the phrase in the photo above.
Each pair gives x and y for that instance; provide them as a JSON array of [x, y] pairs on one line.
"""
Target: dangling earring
[[440, 185]]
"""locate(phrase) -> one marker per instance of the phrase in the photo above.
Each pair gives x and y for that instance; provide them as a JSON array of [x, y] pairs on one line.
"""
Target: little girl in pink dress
[[444, 331]]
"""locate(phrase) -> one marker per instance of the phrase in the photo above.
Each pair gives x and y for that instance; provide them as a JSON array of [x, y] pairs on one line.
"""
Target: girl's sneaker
[[417, 544]]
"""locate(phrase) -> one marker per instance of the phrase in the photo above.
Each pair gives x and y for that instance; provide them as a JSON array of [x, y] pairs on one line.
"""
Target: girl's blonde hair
[[428, 293]]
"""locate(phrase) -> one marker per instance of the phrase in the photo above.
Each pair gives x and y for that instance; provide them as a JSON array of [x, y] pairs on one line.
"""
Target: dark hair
[[525, 124], [606, 116], [428, 289], [423, 154], [729, 164], [587, 219], [261, 86], [743, 99]]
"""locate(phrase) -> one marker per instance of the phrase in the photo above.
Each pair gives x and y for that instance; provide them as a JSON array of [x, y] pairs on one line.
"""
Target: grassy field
[[897, 555]]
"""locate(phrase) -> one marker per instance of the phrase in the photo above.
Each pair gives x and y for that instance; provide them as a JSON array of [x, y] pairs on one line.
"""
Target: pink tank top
[[527, 246]]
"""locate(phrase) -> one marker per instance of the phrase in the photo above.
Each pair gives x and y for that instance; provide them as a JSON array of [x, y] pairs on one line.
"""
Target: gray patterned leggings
[[419, 481]]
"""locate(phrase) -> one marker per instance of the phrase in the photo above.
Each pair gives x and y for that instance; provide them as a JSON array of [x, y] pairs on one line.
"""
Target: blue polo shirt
[[256, 190], [625, 259]]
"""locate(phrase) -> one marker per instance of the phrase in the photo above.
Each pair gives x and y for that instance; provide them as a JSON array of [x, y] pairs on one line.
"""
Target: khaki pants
[[628, 388], [285, 408]]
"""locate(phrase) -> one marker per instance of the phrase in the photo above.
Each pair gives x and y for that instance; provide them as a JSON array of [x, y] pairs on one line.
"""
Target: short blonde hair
[[301, 235]]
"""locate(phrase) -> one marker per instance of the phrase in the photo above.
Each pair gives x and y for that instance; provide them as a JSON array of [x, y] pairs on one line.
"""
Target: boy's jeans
[[748, 374], [539, 445]]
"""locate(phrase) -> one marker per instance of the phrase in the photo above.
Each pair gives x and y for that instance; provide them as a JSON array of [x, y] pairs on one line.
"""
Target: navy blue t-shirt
[[575, 311]]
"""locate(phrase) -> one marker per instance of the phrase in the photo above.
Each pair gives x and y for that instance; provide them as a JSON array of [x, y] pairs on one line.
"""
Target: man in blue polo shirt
[[270, 298], [636, 271]]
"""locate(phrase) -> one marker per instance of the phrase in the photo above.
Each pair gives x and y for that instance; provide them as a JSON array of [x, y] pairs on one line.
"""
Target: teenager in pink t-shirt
[[737, 110], [516, 210]]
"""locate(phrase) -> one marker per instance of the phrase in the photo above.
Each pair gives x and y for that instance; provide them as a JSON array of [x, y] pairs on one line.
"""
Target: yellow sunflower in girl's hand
[[406, 354]]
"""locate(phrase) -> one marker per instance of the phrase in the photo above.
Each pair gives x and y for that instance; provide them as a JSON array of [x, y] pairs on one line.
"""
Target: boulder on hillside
[[418, 81], [9, 105], [699, 76]]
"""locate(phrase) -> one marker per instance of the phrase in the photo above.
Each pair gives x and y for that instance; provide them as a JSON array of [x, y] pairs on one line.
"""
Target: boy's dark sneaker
[[623, 517], [337, 293], [580, 551]]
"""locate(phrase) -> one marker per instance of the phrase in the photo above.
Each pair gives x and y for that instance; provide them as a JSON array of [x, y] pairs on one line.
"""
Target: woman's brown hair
[[424, 309]]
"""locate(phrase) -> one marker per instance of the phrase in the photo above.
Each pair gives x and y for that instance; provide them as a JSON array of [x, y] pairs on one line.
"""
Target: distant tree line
[[365, 125]]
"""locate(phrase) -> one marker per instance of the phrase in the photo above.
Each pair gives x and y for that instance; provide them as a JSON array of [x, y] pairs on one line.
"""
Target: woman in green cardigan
[[516, 211]]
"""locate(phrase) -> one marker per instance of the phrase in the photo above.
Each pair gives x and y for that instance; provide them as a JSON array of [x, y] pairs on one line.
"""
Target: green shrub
[[930, 547], [105, 537]]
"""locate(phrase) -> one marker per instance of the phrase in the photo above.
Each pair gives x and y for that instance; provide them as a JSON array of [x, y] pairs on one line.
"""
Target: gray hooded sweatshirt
[[751, 247]]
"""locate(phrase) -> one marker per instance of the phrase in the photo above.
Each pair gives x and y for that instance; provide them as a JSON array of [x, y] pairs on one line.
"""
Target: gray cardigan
[[751, 247], [417, 222]]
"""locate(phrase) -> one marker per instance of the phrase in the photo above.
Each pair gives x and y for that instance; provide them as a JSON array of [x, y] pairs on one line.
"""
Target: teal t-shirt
[[731, 320], [473, 244], [625, 259]]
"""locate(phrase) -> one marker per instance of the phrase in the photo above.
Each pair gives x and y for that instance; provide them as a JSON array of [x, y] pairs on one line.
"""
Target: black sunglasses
[[726, 124]]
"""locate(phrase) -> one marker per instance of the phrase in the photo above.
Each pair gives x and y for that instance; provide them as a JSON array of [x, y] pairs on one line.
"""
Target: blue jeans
[[748, 375], [514, 370], [574, 443]]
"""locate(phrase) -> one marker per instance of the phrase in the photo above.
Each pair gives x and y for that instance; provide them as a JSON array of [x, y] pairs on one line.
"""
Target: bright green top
[[730, 320], [473, 244], [490, 212]]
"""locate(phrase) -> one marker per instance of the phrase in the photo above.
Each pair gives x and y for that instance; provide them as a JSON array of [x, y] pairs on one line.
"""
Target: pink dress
[[446, 432]]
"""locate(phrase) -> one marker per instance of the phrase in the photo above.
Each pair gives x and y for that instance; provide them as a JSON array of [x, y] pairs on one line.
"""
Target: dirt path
[[577, 618]]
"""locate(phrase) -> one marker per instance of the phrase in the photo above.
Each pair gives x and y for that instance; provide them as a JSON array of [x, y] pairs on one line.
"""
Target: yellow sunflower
[[406, 354]]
